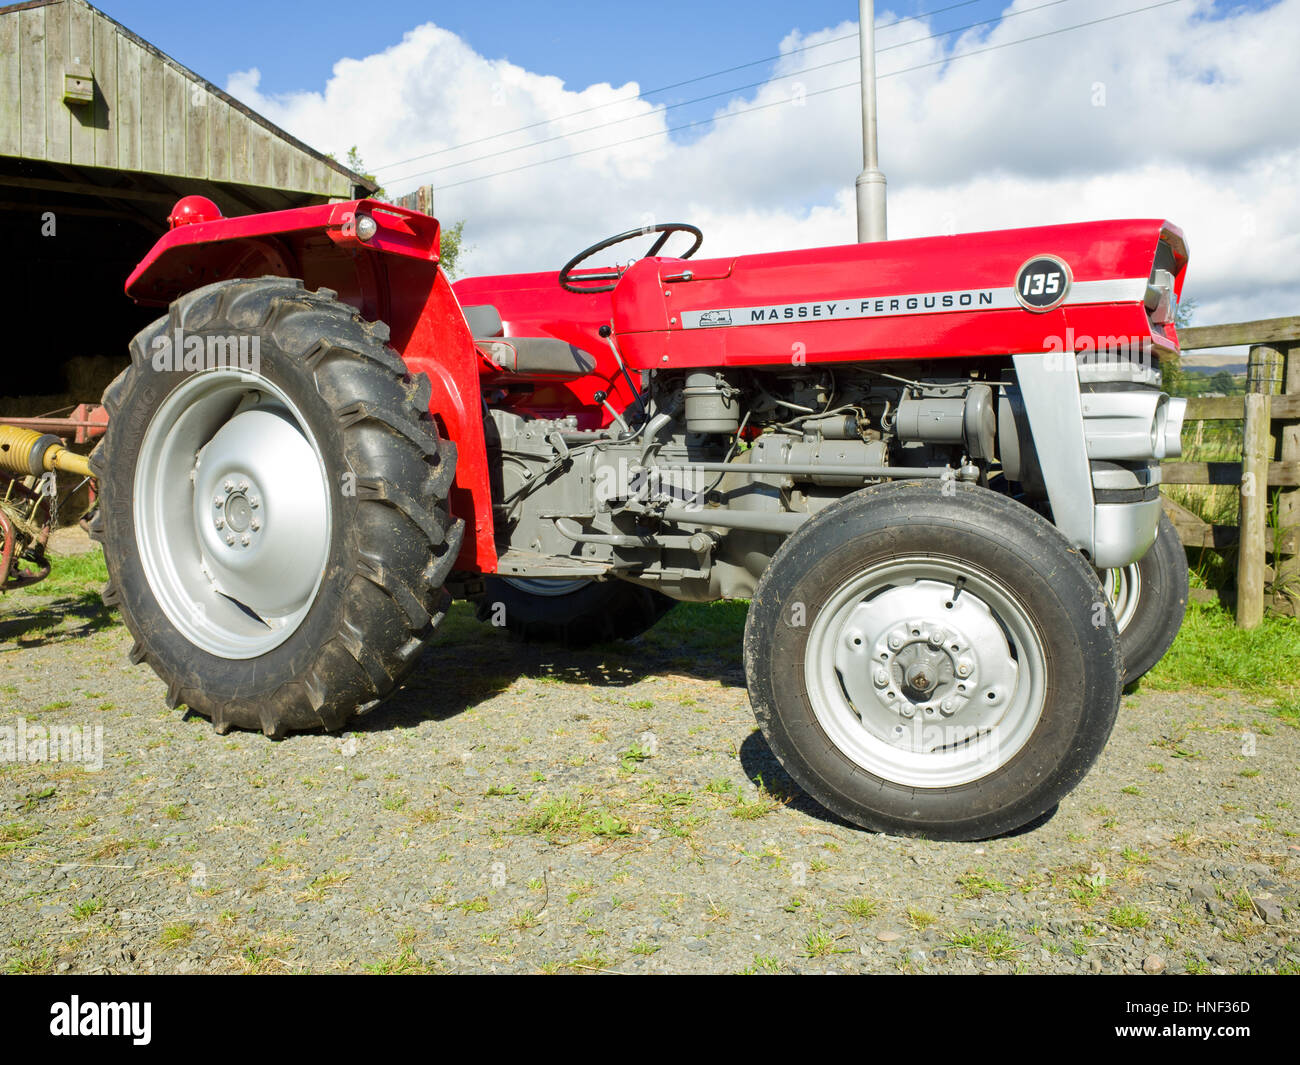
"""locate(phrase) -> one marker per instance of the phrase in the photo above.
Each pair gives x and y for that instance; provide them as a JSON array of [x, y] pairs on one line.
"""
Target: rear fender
[[392, 277]]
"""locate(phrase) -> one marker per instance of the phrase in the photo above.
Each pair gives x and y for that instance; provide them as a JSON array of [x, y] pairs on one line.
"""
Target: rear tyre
[[573, 612], [929, 664], [275, 525], [1149, 599]]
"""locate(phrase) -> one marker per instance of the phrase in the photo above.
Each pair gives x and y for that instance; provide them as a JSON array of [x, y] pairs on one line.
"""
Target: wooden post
[[1256, 452]]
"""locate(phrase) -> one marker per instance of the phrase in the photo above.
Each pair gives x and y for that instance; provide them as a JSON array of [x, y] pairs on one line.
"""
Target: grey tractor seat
[[539, 357]]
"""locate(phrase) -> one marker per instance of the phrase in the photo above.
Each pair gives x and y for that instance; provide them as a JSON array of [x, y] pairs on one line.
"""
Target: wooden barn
[[100, 134]]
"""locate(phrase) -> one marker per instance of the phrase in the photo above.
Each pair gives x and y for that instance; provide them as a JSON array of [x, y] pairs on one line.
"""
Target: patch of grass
[[819, 944], [1128, 916], [995, 944], [176, 935], [1211, 652], [864, 908], [567, 819], [975, 884], [73, 575], [87, 909], [918, 919], [17, 834], [319, 888]]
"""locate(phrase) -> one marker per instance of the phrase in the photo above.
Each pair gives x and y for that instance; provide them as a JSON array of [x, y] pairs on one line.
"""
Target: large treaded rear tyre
[[932, 664], [1149, 599], [291, 579], [571, 613]]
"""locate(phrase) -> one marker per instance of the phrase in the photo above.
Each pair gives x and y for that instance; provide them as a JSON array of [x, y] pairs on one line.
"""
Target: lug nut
[[963, 668], [244, 539], [219, 501], [221, 523], [254, 502], [895, 641], [229, 486], [907, 710], [881, 676], [947, 707], [255, 525], [937, 637], [243, 486], [230, 538]]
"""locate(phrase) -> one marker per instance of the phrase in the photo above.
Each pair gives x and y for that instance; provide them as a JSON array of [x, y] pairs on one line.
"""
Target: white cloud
[[1182, 112]]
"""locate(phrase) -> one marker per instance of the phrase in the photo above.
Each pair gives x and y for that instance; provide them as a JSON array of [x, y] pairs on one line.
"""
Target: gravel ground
[[520, 809]]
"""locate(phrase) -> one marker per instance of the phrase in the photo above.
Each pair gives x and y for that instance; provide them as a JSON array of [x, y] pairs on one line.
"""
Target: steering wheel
[[593, 282]]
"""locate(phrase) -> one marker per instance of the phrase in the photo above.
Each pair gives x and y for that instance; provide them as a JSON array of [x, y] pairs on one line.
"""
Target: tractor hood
[[1093, 286]]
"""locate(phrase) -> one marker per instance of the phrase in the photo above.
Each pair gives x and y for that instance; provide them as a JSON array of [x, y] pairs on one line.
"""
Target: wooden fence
[[1269, 469]]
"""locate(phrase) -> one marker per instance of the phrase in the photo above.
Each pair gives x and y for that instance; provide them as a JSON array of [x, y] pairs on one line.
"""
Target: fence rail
[[1270, 417]]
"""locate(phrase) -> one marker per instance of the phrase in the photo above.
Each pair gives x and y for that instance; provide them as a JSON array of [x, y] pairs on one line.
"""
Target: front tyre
[[273, 507], [925, 662]]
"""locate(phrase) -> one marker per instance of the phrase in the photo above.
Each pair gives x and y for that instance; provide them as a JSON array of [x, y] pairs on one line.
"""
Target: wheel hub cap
[[925, 674], [232, 513]]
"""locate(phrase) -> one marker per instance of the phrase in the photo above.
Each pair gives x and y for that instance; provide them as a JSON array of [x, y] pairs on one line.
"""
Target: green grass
[[74, 575], [1211, 652], [567, 819]]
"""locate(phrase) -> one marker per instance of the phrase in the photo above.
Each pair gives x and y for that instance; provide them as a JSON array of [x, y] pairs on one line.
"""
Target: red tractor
[[932, 466]]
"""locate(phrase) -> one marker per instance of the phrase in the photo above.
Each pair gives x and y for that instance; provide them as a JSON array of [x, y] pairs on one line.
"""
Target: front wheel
[[1149, 599], [932, 663]]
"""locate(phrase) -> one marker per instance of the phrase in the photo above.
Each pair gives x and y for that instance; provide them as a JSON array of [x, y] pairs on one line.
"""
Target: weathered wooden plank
[[1231, 408], [219, 141], [241, 171], [198, 104], [58, 120], [31, 80], [11, 109], [128, 104], [153, 113], [81, 54], [1280, 474], [1263, 331], [280, 153], [259, 150], [105, 66], [175, 99]]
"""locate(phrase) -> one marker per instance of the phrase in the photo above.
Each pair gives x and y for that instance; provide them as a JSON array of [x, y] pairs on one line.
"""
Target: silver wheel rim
[[232, 513], [1123, 588], [550, 587], [925, 672]]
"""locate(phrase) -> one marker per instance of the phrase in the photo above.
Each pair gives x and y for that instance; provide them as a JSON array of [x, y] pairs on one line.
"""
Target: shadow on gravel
[[762, 768], [53, 621], [469, 662]]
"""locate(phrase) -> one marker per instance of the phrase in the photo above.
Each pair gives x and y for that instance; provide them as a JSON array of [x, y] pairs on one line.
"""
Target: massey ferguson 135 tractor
[[932, 466]]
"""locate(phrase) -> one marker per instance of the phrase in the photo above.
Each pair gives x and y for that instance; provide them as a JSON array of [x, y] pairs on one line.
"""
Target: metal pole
[[871, 182]]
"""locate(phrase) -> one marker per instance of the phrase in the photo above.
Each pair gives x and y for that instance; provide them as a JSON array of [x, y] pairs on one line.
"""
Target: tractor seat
[[544, 358]]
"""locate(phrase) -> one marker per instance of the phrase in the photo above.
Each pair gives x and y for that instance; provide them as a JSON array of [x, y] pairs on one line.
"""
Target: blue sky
[[1183, 112], [295, 45]]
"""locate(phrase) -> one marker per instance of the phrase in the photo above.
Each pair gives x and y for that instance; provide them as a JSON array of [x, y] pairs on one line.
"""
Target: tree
[[450, 247], [354, 163], [1223, 382], [1175, 381]]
